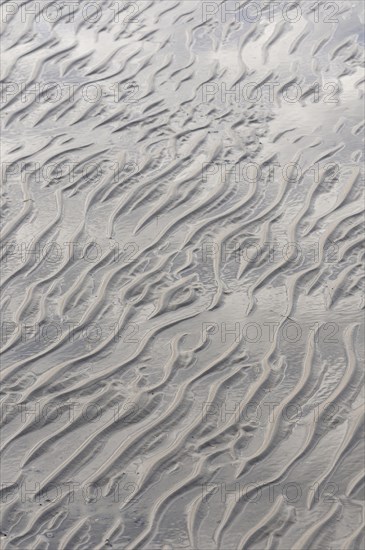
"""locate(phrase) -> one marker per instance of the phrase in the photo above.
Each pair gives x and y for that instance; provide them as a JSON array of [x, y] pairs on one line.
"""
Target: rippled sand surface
[[182, 275]]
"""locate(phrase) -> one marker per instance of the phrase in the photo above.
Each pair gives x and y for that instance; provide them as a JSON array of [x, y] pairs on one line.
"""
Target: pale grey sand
[[182, 275]]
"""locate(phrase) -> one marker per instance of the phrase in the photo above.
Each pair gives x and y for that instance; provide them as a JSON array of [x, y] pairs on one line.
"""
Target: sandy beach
[[182, 278]]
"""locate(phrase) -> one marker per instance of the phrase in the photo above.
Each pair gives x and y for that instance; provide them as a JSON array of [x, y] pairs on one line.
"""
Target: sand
[[182, 275]]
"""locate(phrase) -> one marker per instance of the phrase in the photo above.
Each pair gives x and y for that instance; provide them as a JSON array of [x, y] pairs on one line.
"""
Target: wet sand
[[182, 275]]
